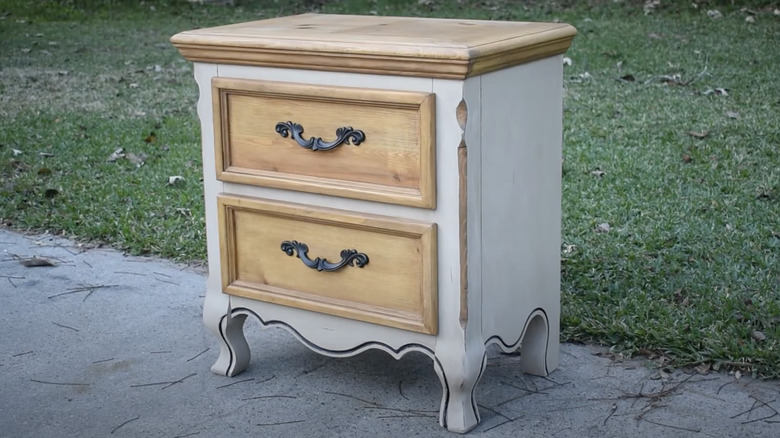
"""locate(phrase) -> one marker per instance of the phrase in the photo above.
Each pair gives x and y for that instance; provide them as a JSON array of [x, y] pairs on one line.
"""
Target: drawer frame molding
[[410, 181], [416, 298]]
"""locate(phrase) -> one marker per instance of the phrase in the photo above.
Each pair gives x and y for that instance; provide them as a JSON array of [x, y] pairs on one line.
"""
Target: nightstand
[[385, 182]]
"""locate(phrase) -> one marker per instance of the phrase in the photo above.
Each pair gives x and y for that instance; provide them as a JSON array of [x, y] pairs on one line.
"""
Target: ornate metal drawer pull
[[343, 135], [348, 257]]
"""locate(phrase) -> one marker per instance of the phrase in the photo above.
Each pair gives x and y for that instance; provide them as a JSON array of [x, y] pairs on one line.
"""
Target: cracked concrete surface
[[103, 344]]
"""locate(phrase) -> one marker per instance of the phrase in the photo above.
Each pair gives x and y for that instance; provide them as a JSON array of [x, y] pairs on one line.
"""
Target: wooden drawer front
[[392, 162], [396, 287]]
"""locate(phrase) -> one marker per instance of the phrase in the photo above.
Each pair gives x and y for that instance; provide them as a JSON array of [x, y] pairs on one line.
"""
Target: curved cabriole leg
[[459, 376], [535, 346], [233, 349]]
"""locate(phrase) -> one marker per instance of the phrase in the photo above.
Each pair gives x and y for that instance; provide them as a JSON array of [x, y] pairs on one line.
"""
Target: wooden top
[[408, 46]]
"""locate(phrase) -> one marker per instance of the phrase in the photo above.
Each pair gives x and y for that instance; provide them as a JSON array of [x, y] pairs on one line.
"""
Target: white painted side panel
[[203, 75], [521, 198], [448, 136], [472, 136]]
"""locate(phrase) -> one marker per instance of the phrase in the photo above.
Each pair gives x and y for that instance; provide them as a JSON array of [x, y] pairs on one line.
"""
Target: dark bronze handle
[[343, 135], [348, 257]]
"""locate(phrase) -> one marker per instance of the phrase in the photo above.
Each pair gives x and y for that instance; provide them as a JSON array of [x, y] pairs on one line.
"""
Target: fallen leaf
[[598, 172], [758, 336], [174, 179], [663, 374], [732, 115], [737, 374], [44, 171], [714, 13], [603, 228], [51, 193], [568, 249], [151, 138], [566, 60], [686, 158], [585, 75], [750, 19], [776, 12], [700, 135], [16, 152], [650, 6], [26, 50], [45, 154], [36, 262], [138, 160], [716, 91], [117, 154], [703, 368]]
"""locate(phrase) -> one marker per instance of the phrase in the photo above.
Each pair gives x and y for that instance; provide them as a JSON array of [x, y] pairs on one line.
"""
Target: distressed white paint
[[521, 201], [513, 138]]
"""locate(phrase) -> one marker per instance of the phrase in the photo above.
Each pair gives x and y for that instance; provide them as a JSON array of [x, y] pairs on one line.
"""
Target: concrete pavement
[[102, 344]]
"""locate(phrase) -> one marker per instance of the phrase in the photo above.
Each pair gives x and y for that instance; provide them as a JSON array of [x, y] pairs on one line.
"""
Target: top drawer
[[377, 145]]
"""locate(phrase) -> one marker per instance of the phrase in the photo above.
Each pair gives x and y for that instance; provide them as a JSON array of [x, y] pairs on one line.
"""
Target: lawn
[[671, 226]]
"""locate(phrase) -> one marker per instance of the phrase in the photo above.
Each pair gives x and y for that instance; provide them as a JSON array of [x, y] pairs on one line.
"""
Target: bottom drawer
[[370, 268]]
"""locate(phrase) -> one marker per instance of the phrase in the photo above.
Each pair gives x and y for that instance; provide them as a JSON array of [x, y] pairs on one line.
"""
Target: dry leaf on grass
[[138, 160], [714, 13], [16, 152], [117, 154], [175, 179], [732, 115], [603, 228], [716, 91], [696, 134], [758, 335]]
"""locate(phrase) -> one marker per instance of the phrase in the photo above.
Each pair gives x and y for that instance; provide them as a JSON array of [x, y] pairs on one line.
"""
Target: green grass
[[689, 268]]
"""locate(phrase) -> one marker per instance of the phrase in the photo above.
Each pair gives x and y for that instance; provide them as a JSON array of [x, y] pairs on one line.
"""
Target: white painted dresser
[[385, 182]]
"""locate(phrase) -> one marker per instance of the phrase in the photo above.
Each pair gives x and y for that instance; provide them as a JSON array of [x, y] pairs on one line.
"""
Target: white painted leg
[[459, 374], [234, 351], [536, 346]]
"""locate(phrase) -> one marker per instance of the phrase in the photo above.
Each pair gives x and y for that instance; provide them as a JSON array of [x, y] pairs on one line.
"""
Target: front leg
[[459, 375], [234, 351]]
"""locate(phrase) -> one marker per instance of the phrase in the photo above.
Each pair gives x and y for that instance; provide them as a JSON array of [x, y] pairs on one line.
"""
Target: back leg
[[535, 346]]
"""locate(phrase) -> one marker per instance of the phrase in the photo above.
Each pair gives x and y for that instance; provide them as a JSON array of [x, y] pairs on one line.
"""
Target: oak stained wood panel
[[406, 46], [394, 164], [396, 288]]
